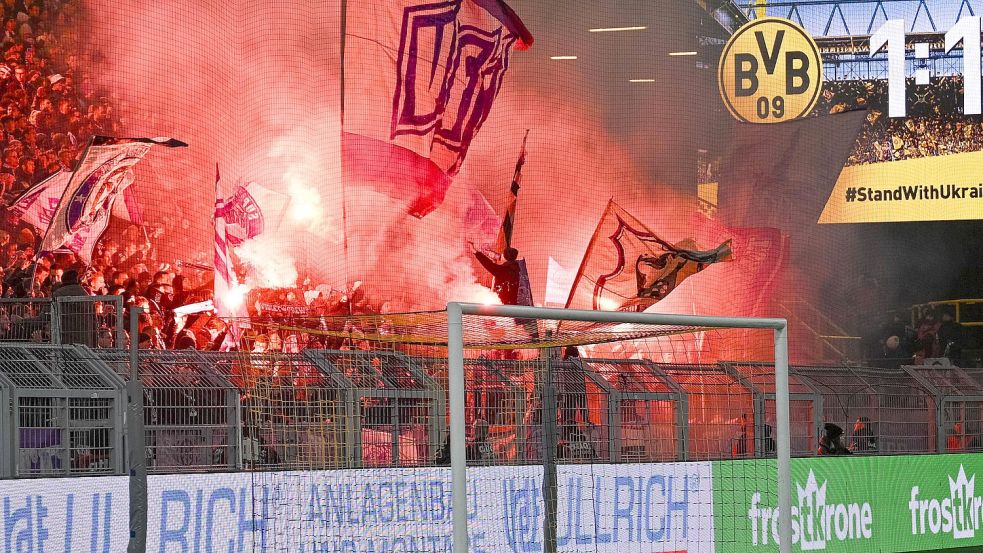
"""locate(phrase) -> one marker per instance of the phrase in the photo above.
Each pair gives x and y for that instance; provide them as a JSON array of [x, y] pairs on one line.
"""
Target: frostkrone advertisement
[[904, 503], [601, 508], [861, 504]]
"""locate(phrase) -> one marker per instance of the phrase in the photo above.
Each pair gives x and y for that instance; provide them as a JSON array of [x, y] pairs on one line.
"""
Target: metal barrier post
[[137, 445], [234, 417], [120, 333], [550, 439], [56, 322]]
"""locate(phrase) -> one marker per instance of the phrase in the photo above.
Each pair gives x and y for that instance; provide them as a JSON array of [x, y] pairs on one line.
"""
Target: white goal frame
[[455, 355]]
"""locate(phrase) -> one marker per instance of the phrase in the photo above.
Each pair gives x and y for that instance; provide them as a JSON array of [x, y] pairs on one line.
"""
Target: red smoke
[[255, 86]]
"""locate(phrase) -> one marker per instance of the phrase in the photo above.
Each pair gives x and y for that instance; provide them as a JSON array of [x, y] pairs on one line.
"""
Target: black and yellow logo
[[770, 71]]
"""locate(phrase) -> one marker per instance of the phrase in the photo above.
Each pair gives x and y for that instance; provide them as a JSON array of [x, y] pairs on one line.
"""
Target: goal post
[[456, 343]]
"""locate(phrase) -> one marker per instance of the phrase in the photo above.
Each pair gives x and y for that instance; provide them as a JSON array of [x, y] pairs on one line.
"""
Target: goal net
[[490, 428]]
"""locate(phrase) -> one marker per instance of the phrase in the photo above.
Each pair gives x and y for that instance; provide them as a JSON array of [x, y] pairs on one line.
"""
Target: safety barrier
[[94, 321], [327, 409]]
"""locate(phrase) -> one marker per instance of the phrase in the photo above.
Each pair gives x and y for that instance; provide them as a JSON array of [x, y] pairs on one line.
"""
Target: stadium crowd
[[49, 109], [934, 335], [933, 126], [48, 112]]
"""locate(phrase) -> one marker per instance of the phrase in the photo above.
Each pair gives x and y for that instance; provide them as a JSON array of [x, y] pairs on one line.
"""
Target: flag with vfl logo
[[103, 173], [235, 221], [420, 80]]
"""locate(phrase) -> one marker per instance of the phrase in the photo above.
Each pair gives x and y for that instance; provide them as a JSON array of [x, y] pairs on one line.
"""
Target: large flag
[[103, 173], [508, 223], [628, 267], [225, 276], [420, 80], [37, 206]]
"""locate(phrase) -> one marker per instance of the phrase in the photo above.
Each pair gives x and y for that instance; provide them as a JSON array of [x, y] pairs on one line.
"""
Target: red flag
[[420, 80], [134, 213], [628, 267]]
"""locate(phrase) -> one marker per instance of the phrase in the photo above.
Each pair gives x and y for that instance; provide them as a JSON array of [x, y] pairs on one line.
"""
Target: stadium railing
[[66, 413], [327, 409], [95, 321]]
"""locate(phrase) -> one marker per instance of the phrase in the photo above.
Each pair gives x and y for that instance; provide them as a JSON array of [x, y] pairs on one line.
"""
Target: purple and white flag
[[104, 172], [420, 80], [37, 206]]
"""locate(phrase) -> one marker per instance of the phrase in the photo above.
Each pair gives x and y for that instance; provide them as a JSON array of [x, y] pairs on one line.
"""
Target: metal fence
[[321, 409], [66, 413], [94, 321]]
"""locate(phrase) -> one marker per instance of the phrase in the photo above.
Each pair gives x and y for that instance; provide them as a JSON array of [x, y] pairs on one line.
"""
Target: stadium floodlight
[[545, 327]]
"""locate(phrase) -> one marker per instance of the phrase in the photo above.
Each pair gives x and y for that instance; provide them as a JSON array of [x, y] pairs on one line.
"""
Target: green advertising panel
[[866, 504]]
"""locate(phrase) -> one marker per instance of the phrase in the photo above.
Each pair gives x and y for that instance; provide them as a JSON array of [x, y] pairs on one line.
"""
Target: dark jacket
[[506, 278], [830, 443]]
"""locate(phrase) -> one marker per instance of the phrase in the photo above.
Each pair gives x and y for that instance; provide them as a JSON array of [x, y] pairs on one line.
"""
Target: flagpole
[[344, 187], [515, 175]]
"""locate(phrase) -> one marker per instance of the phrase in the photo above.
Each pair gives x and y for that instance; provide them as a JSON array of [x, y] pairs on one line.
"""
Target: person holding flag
[[511, 278], [507, 275]]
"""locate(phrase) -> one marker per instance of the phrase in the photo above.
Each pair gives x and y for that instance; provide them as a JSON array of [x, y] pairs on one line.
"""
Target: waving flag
[[420, 80], [225, 277], [240, 215], [508, 223], [628, 267], [250, 211], [103, 173], [37, 206]]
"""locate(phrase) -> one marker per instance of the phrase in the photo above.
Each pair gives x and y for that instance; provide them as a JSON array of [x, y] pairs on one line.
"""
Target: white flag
[[37, 206], [558, 283], [104, 172]]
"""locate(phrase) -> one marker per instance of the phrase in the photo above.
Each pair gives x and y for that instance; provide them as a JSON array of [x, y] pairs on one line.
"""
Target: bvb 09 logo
[[770, 71]]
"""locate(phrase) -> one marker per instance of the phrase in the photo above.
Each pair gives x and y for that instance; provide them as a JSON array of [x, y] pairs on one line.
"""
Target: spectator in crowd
[[927, 343], [444, 454], [479, 448], [251, 457], [830, 443], [950, 336], [958, 441], [577, 445], [740, 441], [893, 354], [571, 388], [864, 440], [78, 318], [767, 441]]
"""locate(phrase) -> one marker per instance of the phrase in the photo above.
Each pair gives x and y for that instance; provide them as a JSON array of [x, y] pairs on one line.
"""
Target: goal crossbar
[[455, 343]]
